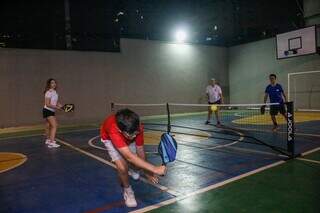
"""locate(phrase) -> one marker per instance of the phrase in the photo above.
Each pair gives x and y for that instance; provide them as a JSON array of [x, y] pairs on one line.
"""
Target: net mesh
[[242, 126], [304, 90]]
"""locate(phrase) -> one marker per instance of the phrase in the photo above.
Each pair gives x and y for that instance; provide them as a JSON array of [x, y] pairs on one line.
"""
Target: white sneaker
[[134, 174], [48, 141], [53, 145], [129, 198]]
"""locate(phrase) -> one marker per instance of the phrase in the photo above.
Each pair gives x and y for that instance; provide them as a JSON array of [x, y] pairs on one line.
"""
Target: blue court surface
[[79, 177]]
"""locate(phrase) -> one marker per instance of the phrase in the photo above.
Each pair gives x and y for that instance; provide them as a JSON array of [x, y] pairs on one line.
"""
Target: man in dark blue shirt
[[276, 95]]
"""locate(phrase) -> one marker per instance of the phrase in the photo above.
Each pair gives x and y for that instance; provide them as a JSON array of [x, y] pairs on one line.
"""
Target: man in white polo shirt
[[214, 95]]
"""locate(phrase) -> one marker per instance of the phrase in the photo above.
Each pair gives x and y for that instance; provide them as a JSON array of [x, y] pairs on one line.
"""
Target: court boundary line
[[310, 151], [307, 153], [41, 134], [159, 186], [308, 160], [281, 132], [248, 150], [205, 189]]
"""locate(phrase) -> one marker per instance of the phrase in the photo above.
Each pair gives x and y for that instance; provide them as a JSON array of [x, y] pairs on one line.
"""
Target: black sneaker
[[207, 122]]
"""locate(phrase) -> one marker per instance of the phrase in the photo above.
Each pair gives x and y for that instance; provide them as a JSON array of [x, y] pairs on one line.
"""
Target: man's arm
[[207, 94], [265, 98], [150, 175], [141, 153], [221, 96], [284, 96], [141, 163]]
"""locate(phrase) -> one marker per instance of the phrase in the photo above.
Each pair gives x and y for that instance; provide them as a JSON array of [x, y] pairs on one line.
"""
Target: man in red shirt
[[122, 134]]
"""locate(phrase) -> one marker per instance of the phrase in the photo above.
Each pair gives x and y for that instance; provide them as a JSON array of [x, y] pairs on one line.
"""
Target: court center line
[[161, 187], [214, 186], [309, 160]]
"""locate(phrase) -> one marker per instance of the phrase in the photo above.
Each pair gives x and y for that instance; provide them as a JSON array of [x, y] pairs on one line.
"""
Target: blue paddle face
[[167, 148]]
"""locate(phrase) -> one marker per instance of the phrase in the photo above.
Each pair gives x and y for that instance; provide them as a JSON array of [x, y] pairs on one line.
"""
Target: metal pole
[[169, 119], [67, 24]]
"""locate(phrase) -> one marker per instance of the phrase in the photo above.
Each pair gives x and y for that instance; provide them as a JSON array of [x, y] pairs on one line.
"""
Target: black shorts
[[275, 109], [216, 102], [47, 113]]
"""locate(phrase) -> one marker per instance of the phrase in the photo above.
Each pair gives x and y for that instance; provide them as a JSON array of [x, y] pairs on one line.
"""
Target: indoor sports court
[[220, 94]]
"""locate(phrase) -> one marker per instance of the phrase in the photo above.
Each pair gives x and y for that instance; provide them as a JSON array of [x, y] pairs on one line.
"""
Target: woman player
[[51, 104]]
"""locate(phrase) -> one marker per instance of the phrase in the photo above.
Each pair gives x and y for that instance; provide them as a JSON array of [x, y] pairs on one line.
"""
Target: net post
[[169, 118], [290, 128]]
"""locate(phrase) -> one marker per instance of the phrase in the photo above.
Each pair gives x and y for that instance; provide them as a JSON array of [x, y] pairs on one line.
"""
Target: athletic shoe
[[207, 122], [134, 174], [129, 198], [53, 145], [47, 141]]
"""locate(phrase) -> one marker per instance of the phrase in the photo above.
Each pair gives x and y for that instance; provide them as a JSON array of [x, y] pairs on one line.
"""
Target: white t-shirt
[[214, 93], [53, 95]]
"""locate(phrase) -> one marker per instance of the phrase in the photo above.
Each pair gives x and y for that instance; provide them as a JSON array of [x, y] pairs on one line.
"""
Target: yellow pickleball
[[214, 107]]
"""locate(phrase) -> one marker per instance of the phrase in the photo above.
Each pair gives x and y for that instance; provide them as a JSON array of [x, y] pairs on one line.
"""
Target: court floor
[[209, 175]]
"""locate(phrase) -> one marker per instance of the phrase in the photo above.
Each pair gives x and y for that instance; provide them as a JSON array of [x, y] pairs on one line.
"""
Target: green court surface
[[290, 187], [17, 132], [314, 156]]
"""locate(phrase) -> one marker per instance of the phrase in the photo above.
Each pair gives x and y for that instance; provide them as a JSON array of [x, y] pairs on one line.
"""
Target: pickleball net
[[241, 125]]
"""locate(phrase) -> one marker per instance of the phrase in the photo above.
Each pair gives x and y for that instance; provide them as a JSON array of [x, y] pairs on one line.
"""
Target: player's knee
[[122, 168]]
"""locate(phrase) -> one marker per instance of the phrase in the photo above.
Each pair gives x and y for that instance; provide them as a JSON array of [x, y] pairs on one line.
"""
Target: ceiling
[[98, 24]]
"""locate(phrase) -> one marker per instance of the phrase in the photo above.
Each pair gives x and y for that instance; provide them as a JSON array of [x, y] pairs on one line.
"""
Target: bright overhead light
[[181, 36]]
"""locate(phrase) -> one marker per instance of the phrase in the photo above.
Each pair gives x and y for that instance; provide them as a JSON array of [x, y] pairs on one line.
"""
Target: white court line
[[162, 188], [309, 160], [258, 152], [310, 151], [20, 136], [214, 186], [270, 131], [90, 142], [229, 144], [41, 134]]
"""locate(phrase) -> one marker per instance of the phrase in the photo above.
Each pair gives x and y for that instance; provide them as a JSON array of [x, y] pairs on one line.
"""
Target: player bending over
[[122, 135]]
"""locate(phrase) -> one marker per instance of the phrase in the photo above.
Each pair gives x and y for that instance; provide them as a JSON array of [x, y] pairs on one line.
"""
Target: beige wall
[[144, 72]]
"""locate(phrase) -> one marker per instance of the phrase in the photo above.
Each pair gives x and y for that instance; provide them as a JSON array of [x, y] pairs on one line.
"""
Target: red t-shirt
[[110, 131]]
